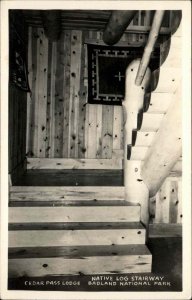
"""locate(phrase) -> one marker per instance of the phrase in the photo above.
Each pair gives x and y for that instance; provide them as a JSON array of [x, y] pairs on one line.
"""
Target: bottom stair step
[[114, 259]]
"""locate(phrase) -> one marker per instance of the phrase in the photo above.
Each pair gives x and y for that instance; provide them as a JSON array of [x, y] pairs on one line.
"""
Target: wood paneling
[[166, 206], [17, 114], [61, 124]]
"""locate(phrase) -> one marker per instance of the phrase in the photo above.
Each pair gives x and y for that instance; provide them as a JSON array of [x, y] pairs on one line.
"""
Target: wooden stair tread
[[97, 213], [159, 102], [137, 152], [79, 251], [23, 193], [76, 236], [74, 203], [142, 138], [51, 261], [151, 122], [76, 226]]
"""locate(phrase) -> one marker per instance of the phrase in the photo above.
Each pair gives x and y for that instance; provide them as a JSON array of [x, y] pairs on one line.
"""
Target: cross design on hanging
[[119, 76]]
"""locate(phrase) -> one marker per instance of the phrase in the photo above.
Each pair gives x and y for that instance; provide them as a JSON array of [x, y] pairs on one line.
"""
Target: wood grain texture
[[66, 193], [71, 127], [107, 131], [66, 94], [165, 230], [179, 214], [94, 260], [42, 93], [48, 238], [163, 204], [174, 201], [69, 163], [52, 101], [17, 111], [166, 205], [82, 99], [58, 98], [76, 41], [117, 126], [75, 214]]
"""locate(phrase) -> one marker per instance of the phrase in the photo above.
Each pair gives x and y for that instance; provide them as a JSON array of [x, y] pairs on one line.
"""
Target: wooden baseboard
[[165, 230]]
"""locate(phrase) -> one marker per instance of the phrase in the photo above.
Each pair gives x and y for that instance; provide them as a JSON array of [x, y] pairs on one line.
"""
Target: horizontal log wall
[[166, 206], [60, 122]]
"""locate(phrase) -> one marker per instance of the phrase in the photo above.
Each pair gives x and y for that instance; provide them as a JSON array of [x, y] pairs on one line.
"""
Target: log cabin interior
[[95, 157]]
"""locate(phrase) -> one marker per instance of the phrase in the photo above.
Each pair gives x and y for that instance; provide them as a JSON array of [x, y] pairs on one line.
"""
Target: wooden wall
[[60, 122], [17, 113], [17, 127], [166, 206]]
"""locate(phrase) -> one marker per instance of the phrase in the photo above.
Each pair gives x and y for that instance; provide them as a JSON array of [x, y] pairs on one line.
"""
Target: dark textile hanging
[[106, 71], [18, 74]]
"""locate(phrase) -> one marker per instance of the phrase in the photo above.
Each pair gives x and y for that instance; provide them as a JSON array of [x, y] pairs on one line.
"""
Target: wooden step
[[23, 193], [159, 102], [137, 152], [169, 79], [44, 261], [86, 213], [142, 138], [75, 234], [151, 122], [73, 164]]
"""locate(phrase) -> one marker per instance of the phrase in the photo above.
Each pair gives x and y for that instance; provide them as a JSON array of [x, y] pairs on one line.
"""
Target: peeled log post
[[153, 35], [117, 24], [166, 149], [51, 23], [135, 189]]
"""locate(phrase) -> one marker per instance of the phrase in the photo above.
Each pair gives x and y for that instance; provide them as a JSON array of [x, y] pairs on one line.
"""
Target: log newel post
[[135, 189]]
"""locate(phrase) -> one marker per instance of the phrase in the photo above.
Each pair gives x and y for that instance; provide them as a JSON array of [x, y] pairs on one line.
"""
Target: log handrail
[[153, 35]]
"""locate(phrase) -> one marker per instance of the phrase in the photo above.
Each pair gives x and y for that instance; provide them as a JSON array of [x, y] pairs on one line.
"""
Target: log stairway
[[156, 104], [74, 231]]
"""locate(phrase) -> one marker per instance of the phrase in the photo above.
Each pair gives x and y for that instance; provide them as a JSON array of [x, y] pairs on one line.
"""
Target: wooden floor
[[71, 178]]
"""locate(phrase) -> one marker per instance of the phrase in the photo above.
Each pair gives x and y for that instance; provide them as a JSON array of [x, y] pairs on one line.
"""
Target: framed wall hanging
[[106, 72]]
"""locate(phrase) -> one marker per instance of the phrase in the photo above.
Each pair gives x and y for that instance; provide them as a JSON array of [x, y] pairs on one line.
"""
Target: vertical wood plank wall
[[60, 122], [17, 127], [166, 205], [17, 100]]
